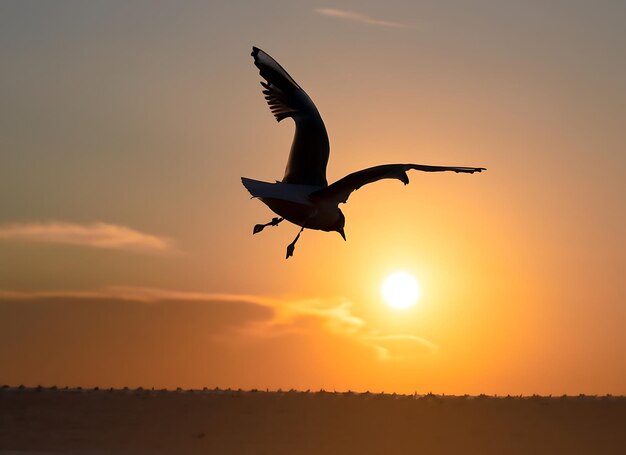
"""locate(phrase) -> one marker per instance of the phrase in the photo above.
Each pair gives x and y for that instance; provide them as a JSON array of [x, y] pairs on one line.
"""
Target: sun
[[400, 290]]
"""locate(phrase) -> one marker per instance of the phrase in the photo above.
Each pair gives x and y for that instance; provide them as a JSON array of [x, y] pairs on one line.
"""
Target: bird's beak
[[342, 233]]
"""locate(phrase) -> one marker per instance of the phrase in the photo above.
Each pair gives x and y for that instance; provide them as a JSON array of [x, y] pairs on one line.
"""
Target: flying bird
[[304, 196]]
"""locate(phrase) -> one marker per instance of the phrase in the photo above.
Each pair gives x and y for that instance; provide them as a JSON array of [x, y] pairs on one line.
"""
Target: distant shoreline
[[280, 392], [146, 421]]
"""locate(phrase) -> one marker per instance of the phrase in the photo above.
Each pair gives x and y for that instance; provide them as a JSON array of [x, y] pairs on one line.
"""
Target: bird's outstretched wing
[[342, 188], [310, 148]]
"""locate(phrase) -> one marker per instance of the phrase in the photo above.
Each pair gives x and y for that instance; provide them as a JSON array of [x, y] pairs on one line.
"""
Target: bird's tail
[[291, 192], [257, 188]]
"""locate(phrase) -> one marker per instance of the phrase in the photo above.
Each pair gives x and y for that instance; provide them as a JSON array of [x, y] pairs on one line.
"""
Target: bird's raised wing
[[310, 148], [340, 190]]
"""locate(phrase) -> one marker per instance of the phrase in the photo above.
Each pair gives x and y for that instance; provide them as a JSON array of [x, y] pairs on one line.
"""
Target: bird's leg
[[292, 245], [259, 227]]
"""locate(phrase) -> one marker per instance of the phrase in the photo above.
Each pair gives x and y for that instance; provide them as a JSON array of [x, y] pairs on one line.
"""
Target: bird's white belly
[[291, 202], [321, 217]]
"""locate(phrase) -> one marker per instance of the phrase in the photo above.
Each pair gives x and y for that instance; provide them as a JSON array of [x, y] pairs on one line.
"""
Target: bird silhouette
[[304, 197]]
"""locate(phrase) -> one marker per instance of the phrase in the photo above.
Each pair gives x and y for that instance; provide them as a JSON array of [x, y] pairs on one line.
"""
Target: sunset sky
[[126, 248]]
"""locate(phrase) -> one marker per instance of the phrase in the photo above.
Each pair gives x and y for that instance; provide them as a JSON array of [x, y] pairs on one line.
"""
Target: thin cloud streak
[[289, 315], [396, 346], [353, 16], [95, 235]]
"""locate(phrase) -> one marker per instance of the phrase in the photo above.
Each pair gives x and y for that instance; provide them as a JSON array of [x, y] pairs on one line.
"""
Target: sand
[[34, 421]]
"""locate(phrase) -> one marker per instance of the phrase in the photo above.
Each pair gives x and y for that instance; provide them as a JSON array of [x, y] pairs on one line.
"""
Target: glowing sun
[[400, 290]]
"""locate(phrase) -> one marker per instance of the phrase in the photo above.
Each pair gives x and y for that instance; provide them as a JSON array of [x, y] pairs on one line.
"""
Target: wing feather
[[310, 148], [340, 190]]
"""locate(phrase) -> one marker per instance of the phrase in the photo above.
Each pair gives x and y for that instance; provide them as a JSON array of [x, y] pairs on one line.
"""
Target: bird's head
[[339, 225]]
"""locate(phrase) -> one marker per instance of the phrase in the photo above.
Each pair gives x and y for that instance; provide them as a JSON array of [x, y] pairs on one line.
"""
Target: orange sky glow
[[126, 248]]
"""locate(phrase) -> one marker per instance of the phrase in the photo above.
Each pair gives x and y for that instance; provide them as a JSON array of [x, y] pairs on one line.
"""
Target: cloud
[[137, 294], [358, 17], [336, 312], [288, 316], [399, 346], [96, 235], [117, 338]]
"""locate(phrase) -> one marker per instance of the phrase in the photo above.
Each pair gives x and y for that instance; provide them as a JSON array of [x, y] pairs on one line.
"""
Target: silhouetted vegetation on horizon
[[293, 392]]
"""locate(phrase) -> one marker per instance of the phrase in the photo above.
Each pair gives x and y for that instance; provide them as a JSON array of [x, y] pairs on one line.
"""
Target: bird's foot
[[290, 249], [259, 227], [292, 245]]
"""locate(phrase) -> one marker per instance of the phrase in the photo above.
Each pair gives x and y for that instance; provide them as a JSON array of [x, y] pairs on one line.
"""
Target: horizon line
[[293, 391]]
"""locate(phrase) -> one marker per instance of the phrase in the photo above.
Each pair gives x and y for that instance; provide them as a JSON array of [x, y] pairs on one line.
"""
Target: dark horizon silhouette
[[305, 422], [304, 197]]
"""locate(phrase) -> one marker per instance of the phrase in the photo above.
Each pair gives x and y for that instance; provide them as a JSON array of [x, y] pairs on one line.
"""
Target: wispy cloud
[[333, 315], [399, 346], [96, 235], [354, 16]]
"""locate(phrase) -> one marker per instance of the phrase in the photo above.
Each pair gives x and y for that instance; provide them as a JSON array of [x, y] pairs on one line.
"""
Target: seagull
[[304, 197]]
